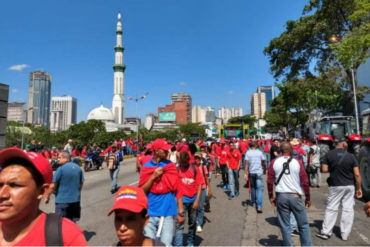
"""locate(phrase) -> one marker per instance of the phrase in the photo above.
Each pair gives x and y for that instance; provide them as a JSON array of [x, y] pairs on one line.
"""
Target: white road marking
[[134, 183], [363, 237]]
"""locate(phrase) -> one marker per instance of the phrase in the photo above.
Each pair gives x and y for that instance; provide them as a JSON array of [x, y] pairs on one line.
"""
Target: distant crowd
[[174, 188]]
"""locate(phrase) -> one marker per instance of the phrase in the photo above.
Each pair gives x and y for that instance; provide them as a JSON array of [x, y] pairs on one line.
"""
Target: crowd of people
[[175, 189]]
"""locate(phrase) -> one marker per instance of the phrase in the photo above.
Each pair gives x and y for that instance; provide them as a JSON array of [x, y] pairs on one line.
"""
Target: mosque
[[114, 119]]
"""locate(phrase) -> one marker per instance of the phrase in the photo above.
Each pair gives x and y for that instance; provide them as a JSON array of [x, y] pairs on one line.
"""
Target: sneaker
[[259, 210], [231, 197], [225, 187], [199, 229], [112, 191], [237, 193], [322, 236], [295, 233]]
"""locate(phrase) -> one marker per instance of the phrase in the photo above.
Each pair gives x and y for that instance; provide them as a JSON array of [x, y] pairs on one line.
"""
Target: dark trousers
[[225, 174], [192, 216]]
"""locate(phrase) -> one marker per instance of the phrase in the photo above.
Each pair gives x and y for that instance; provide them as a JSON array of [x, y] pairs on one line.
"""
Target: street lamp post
[[335, 39], [137, 116], [24, 120], [355, 101]]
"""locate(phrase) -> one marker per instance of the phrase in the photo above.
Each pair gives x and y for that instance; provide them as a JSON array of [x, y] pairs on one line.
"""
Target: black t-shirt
[[340, 174], [273, 150]]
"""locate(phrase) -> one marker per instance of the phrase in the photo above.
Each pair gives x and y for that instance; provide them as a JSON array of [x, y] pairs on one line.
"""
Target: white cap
[[183, 140]]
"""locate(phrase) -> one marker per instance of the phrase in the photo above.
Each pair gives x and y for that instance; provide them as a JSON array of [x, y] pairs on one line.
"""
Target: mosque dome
[[101, 113]]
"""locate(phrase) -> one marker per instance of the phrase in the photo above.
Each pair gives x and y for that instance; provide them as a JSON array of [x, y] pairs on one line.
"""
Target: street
[[230, 222]]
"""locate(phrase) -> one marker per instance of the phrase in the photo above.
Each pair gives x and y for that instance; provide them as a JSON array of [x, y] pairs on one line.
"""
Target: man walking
[[69, 146], [222, 153], [67, 184], [233, 163], [291, 183], [114, 158], [344, 171], [160, 180], [255, 167]]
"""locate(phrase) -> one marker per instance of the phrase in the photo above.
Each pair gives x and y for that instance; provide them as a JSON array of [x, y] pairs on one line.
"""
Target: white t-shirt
[[289, 183], [255, 158]]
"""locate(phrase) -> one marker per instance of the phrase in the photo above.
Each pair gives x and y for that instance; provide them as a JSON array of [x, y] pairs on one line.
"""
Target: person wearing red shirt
[[233, 162], [222, 153], [22, 223], [182, 146], [189, 191], [243, 147]]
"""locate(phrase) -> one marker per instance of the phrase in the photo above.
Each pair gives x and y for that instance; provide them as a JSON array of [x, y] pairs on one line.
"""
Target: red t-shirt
[[233, 158], [222, 154], [72, 234], [204, 173], [182, 147], [243, 146], [189, 185]]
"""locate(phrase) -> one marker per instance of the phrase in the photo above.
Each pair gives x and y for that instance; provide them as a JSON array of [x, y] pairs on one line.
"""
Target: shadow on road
[[318, 225], [272, 221], [197, 241], [272, 240], [89, 235]]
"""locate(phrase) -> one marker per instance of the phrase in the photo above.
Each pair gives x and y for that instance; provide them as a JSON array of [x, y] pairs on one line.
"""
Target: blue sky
[[211, 49]]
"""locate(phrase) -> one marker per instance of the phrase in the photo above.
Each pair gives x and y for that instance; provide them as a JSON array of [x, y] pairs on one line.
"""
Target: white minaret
[[118, 103]]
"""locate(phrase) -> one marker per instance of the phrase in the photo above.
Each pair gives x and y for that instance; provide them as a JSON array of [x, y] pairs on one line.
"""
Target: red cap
[[222, 141], [41, 164], [161, 144], [130, 198]]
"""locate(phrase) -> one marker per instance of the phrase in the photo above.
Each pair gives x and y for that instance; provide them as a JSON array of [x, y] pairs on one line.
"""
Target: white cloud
[[18, 67], [182, 83], [230, 92], [14, 90]]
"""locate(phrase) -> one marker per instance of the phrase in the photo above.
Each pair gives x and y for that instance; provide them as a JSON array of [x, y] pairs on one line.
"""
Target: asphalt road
[[230, 222]]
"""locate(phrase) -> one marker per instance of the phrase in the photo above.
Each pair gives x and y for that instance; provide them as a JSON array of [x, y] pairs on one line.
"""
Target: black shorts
[[71, 211]]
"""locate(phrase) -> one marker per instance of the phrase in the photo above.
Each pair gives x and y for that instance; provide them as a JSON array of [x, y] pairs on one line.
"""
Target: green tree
[[191, 129], [246, 119]]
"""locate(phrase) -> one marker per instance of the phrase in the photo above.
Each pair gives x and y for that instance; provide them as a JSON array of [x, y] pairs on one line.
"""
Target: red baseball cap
[[161, 144], [222, 141], [41, 164], [130, 198]]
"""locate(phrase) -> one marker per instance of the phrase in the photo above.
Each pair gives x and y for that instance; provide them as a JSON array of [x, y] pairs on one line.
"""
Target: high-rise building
[[63, 112], [16, 112], [224, 113], [258, 105], [203, 115], [270, 94], [236, 112], [39, 94], [118, 103], [4, 94], [184, 99]]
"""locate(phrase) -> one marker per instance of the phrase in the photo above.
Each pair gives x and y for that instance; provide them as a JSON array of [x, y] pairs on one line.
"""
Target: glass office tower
[[39, 95]]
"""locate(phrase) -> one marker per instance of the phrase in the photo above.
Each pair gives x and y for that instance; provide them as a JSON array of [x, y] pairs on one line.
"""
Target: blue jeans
[[293, 223], [113, 176], [192, 215], [256, 189], [200, 211], [268, 157], [285, 204], [167, 233], [234, 181], [243, 162]]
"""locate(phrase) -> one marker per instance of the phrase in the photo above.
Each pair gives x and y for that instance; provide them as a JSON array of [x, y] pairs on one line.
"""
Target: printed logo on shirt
[[187, 180], [127, 194]]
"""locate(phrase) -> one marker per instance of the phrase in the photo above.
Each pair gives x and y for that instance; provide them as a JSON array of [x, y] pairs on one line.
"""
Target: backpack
[[112, 161], [53, 230], [207, 162]]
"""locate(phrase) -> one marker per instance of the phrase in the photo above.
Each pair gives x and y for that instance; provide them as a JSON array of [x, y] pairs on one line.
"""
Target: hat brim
[[10, 153], [127, 206]]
